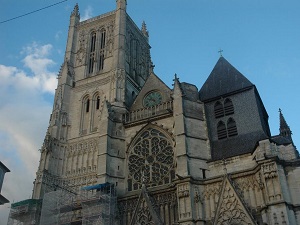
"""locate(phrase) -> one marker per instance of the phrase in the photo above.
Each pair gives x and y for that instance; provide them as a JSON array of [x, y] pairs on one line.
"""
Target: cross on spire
[[220, 51]]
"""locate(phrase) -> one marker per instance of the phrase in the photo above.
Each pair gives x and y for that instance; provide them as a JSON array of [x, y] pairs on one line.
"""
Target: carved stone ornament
[[230, 209], [183, 191], [270, 170], [151, 159], [81, 53], [146, 211]]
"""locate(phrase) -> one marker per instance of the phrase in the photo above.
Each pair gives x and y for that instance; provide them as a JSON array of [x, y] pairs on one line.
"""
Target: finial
[[176, 79], [220, 51], [224, 165], [151, 67], [144, 29], [75, 10]]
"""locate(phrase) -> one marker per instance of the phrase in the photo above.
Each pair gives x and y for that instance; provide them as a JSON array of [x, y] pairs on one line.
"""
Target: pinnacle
[[284, 128], [75, 11], [144, 29]]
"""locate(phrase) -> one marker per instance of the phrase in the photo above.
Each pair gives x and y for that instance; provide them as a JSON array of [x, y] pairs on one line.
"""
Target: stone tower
[[107, 61]]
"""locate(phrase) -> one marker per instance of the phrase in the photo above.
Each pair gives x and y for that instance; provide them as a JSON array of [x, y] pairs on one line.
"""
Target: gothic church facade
[[173, 156]]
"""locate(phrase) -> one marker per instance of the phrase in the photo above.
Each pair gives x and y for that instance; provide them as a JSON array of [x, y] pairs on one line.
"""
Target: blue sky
[[259, 38]]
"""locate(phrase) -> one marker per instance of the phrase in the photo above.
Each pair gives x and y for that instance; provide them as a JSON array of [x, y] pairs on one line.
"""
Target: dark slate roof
[[280, 140], [223, 79]]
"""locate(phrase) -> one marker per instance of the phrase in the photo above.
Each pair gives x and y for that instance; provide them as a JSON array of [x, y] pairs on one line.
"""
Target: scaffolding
[[94, 205], [99, 204], [60, 207], [25, 212]]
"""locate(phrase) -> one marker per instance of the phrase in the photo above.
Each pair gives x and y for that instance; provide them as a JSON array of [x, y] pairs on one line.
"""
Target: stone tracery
[[151, 160]]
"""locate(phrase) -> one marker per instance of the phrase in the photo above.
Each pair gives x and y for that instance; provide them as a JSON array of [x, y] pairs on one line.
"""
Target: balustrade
[[144, 113]]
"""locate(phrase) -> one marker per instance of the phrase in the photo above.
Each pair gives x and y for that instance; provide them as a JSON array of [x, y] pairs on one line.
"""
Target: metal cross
[[220, 51]]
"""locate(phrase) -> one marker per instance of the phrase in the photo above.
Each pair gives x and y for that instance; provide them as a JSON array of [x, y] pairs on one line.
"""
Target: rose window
[[151, 160]]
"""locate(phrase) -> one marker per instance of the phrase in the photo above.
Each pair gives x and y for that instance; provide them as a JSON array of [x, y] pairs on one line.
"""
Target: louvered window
[[219, 110], [102, 49], [231, 127], [228, 107], [92, 53], [221, 130]]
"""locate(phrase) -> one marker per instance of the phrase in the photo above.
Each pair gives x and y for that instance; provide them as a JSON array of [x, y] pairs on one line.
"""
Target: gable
[[153, 83], [145, 211], [231, 209]]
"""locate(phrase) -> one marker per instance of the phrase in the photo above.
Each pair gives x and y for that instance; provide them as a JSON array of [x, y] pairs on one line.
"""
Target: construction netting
[[25, 212], [60, 207], [93, 205], [99, 204]]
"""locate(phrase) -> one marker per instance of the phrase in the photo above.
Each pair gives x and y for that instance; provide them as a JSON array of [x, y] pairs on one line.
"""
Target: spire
[[284, 129], [75, 11], [144, 30], [223, 79]]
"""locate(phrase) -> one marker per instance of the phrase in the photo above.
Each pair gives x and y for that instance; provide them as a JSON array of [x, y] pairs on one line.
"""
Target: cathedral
[[124, 148]]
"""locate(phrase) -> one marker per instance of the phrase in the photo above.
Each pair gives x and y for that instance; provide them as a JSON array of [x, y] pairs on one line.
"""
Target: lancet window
[[221, 130], [150, 160], [231, 127], [228, 107], [92, 53], [85, 115], [96, 54], [219, 110], [134, 53], [95, 112], [102, 49]]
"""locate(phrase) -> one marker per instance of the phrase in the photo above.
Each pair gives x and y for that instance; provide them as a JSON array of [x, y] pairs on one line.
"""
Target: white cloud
[[88, 13], [24, 116], [57, 35]]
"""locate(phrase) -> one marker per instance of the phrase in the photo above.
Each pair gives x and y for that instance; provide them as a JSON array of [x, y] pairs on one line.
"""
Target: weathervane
[[220, 51]]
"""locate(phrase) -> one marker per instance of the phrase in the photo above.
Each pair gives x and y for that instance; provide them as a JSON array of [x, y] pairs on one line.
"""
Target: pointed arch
[[218, 109], [221, 130], [85, 114], [102, 45], [95, 111], [231, 127], [92, 52], [150, 158], [228, 107], [134, 58]]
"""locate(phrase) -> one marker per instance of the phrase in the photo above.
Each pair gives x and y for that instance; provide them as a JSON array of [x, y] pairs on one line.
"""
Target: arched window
[[231, 128], [228, 107], [151, 160], [134, 58], [102, 49], [92, 53], [98, 103], [219, 110], [87, 105], [221, 130], [102, 41], [85, 115], [95, 112]]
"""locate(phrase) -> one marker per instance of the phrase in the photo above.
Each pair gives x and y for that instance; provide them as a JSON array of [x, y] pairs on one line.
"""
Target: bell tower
[[107, 61]]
